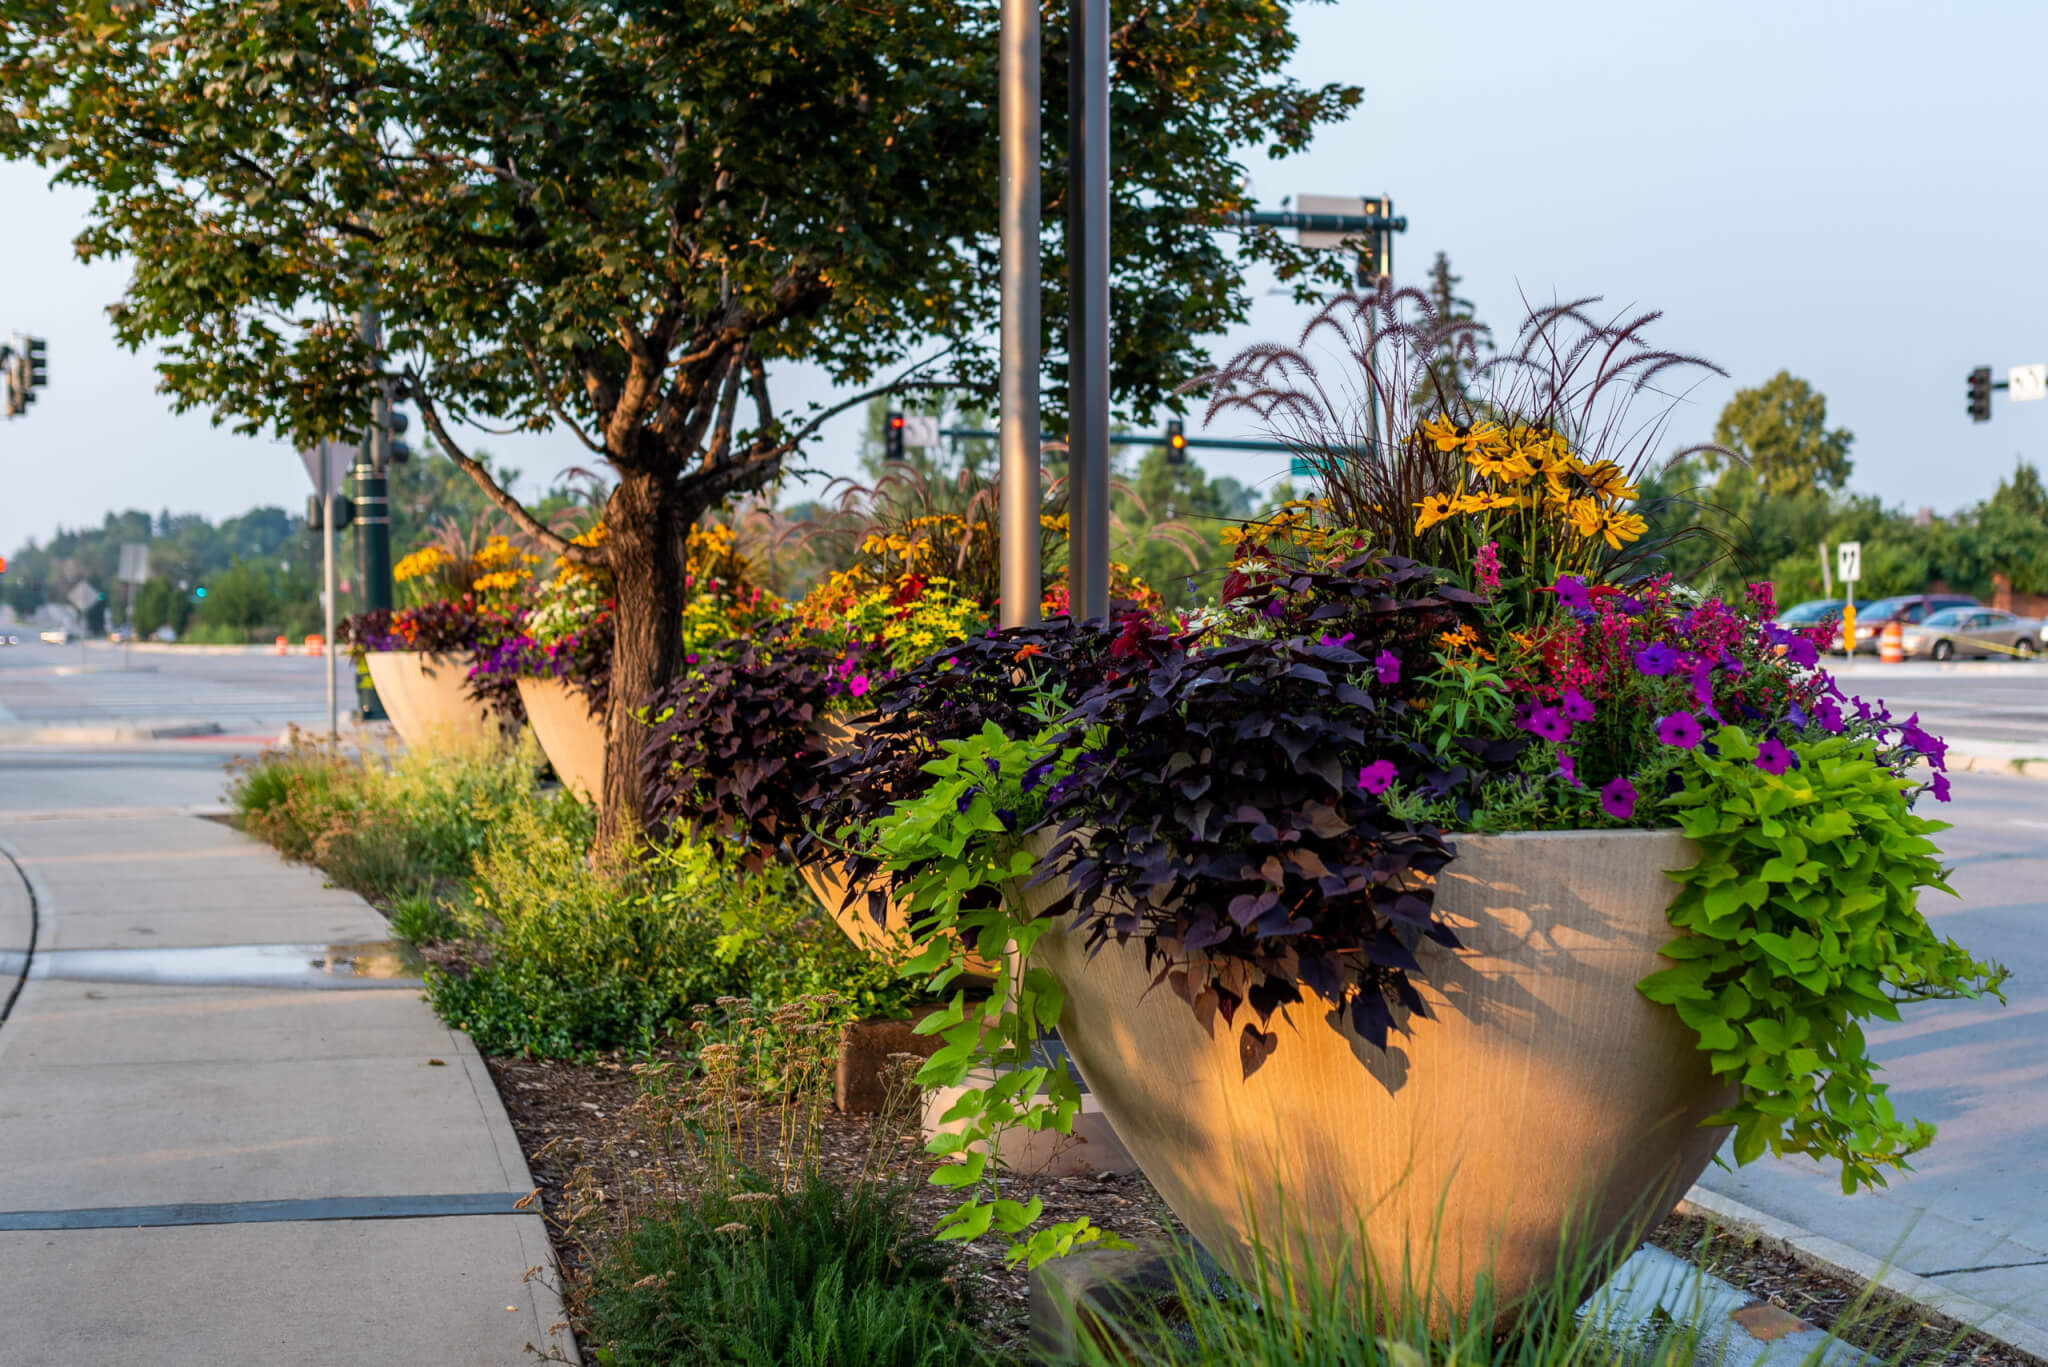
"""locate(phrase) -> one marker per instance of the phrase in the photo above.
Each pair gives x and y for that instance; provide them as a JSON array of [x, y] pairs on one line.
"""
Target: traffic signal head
[[1980, 394], [199, 592], [892, 436], [38, 362], [1176, 442]]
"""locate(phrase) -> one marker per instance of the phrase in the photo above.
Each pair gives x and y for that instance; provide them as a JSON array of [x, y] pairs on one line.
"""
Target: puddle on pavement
[[379, 963]]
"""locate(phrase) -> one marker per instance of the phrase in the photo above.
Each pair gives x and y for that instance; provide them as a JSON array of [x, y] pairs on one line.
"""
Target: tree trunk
[[647, 522]]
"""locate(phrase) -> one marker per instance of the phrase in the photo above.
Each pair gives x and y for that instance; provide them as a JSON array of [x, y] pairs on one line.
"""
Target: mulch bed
[[569, 1115]]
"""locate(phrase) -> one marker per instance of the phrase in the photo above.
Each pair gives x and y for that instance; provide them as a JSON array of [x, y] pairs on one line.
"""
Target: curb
[[1827, 1255], [2015, 766], [106, 735]]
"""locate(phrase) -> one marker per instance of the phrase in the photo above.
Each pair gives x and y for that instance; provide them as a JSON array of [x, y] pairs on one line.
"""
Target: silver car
[[1974, 632]]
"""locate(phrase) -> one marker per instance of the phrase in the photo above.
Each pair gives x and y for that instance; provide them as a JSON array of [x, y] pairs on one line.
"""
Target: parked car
[[57, 636], [1905, 609], [1973, 631], [1817, 612]]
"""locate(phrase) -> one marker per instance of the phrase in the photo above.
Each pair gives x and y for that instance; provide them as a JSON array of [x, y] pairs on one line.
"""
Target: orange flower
[[1026, 652]]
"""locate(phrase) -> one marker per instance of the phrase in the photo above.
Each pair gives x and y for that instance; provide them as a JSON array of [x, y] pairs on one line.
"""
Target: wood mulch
[[572, 1116]]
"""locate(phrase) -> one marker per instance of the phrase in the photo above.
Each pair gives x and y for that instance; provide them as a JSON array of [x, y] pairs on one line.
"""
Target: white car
[[57, 636]]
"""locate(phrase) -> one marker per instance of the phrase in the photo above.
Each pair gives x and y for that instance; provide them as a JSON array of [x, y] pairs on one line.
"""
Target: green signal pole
[[373, 510]]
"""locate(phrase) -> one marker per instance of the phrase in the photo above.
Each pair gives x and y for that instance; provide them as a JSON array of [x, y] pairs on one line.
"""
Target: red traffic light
[[896, 422]]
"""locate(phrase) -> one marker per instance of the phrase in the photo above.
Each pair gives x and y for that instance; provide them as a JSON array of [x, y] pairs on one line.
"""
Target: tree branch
[[554, 405], [588, 557], [901, 382]]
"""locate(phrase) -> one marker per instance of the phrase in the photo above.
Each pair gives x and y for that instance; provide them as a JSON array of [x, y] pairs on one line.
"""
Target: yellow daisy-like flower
[[501, 579], [1615, 526], [1458, 640], [1435, 508], [421, 562], [1504, 466], [1442, 433], [1609, 482], [1489, 438], [1482, 501]]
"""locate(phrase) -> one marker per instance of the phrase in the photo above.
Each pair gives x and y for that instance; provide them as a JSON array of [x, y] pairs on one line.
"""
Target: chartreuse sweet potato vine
[[957, 840], [1800, 923]]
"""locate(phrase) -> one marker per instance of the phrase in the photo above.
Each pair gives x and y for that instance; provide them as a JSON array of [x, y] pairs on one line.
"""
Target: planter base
[[427, 698], [1546, 1096], [569, 736]]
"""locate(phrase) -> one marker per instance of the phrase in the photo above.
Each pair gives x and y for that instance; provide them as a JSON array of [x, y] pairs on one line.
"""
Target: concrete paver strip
[[119, 1094]]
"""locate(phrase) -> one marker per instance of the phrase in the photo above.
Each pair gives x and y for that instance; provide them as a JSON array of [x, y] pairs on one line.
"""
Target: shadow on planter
[[1546, 1084]]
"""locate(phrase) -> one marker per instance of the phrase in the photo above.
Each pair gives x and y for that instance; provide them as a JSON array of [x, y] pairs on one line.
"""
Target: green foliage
[[958, 849], [548, 953], [1801, 923], [815, 1277], [385, 828], [1780, 431]]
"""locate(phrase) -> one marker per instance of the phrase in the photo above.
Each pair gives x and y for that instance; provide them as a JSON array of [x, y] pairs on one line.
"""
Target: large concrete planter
[[571, 738], [1547, 1094], [427, 698]]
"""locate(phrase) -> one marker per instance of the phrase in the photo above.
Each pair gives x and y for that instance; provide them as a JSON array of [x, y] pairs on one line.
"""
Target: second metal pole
[[331, 584], [1088, 308], [1018, 123]]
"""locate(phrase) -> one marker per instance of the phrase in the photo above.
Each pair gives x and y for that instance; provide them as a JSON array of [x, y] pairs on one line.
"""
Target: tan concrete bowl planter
[[1547, 1094], [427, 698], [571, 738]]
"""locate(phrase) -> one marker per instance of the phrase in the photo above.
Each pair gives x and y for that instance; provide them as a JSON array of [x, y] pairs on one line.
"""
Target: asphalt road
[[83, 685]]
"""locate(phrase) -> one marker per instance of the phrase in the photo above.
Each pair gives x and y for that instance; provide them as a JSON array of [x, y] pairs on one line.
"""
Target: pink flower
[[1618, 799], [1377, 777], [1486, 566], [1387, 668], [858, 685]]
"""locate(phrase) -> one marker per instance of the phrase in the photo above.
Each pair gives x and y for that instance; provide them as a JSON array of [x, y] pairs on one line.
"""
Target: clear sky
[[1853, 192]]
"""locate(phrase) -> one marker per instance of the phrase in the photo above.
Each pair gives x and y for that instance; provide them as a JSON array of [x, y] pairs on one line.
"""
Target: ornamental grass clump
[[1467, 632]]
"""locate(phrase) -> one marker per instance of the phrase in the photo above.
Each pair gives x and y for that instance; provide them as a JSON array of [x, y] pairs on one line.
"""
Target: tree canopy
[[616, 217]]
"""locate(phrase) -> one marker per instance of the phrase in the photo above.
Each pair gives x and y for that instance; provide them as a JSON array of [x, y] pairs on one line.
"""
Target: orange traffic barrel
[[284, 645], [1891, 645], [316, 645]]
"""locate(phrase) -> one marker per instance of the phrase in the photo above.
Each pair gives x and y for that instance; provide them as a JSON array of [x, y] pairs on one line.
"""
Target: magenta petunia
[[1377, 777], [1681, 729], [1549, 724], [1773, 757], [1577, 707], [1618, 799], [1571, 591], [1567, 769], [1387, 668], [858, 685]]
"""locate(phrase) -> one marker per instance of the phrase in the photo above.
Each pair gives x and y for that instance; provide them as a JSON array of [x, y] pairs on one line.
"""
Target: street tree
[[1780, 430], [618, 219]]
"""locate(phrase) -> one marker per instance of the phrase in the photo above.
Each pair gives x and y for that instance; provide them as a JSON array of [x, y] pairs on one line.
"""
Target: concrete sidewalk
[[200, 1170]]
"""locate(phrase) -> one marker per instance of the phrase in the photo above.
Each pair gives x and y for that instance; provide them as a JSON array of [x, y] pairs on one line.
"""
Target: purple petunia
[[1773, 757], [1576, 706], [1656, 659], [1681, 729], [1939, 787], [1828, 713], [1571, 591], [1618, 799], [1567, 769], [1549, 724], [1377, 777], [1387, 668], [1343, 640]]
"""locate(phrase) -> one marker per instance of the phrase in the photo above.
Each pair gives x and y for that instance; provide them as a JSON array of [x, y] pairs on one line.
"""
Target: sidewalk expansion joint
[[273, 1212]]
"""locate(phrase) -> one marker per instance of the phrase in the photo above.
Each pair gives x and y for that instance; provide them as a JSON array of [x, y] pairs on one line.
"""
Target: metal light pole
[[373, 502], [1088, 309], [1018, 133], [332, 585]]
